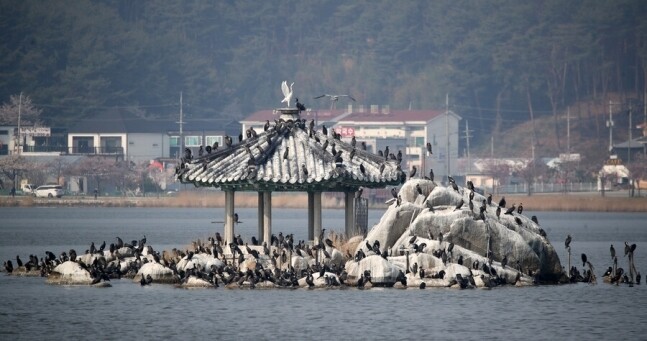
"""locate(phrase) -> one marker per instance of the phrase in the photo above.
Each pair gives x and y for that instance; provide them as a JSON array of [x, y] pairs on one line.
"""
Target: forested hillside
[[502, 62]]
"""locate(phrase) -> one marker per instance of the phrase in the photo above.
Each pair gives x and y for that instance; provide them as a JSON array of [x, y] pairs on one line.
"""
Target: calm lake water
[[32, 309]]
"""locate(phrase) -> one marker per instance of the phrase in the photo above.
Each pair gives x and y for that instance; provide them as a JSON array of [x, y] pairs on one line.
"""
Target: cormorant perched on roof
[[470, 185], [304, 169], [567, 242], [454, 186], [300, 106], [359, 192]]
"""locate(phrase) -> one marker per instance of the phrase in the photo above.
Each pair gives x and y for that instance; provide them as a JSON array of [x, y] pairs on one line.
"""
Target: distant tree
[[531, 171], [58, 168], [637, 172], [13, 167], [500, 171], [29, 114], [100, 169]]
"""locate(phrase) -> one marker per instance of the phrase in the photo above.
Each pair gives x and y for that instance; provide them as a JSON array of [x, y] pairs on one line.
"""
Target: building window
[[210, 140], [420, 141], [192, 141], [4, 132], [174, 141]]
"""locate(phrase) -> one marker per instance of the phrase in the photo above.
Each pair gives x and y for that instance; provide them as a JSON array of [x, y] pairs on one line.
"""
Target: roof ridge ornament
[[287, 92]]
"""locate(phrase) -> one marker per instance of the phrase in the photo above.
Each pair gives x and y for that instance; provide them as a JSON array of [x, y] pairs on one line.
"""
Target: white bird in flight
[[287, 92], [334, 99]]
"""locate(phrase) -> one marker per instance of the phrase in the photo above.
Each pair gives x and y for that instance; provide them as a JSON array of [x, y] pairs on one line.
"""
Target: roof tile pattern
[[289, 156]]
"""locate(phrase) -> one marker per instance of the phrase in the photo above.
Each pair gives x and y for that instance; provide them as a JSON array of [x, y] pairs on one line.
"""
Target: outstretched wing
[[285, 89], [324, 95]]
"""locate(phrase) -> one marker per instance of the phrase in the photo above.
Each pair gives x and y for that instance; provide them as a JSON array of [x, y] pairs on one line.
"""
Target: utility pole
[[181, 122], [19, 134], [467, 141], [447, 132], [568, 132], [630, 135], [610, 125]]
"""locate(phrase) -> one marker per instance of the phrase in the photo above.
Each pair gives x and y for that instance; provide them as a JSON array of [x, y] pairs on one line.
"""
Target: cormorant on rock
[[286, 153], [510, 210], [431, 174], [267, 125], [489, 199], [584, 259], [520, 208], [534, 219], [413, 172], [502, 202], [418, 189], [459, 205], [504, 261]]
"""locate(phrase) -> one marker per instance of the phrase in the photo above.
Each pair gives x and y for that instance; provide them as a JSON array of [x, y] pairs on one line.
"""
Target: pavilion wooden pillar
[[261, 212], [267, 216], [229, 215], [311, 216], [316, 214], [349, 208]]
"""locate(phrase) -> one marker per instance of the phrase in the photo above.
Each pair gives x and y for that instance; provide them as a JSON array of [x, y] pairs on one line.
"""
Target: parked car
[[28, 188], [48, 191]]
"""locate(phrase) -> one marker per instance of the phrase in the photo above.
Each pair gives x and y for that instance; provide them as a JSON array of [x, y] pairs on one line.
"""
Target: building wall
[[147, 146], [437, 136]]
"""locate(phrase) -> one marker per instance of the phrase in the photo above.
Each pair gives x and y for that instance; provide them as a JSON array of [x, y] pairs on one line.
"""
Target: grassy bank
[[543, 202]]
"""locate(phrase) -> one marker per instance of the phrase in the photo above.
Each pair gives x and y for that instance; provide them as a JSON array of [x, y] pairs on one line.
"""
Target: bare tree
[[531, 171], [29, 114], [500, 171], [637, 172], [99, 169], [13, 167], [58, 168]]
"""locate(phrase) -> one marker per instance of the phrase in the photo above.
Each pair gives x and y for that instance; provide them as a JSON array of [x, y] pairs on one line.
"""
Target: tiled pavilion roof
[[260, 162]]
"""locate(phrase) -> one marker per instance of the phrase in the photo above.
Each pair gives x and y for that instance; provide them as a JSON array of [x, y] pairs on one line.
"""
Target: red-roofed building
[[401, 130]]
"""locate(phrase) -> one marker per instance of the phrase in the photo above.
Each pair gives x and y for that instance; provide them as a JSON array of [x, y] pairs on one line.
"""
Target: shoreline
[[576, 202]]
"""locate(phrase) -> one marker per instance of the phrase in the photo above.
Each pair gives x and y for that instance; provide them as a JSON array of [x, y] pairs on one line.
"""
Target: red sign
[[345, 131]]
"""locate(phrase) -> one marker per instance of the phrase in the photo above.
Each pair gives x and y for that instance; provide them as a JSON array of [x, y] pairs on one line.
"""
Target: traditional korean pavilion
[[290, 156]]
